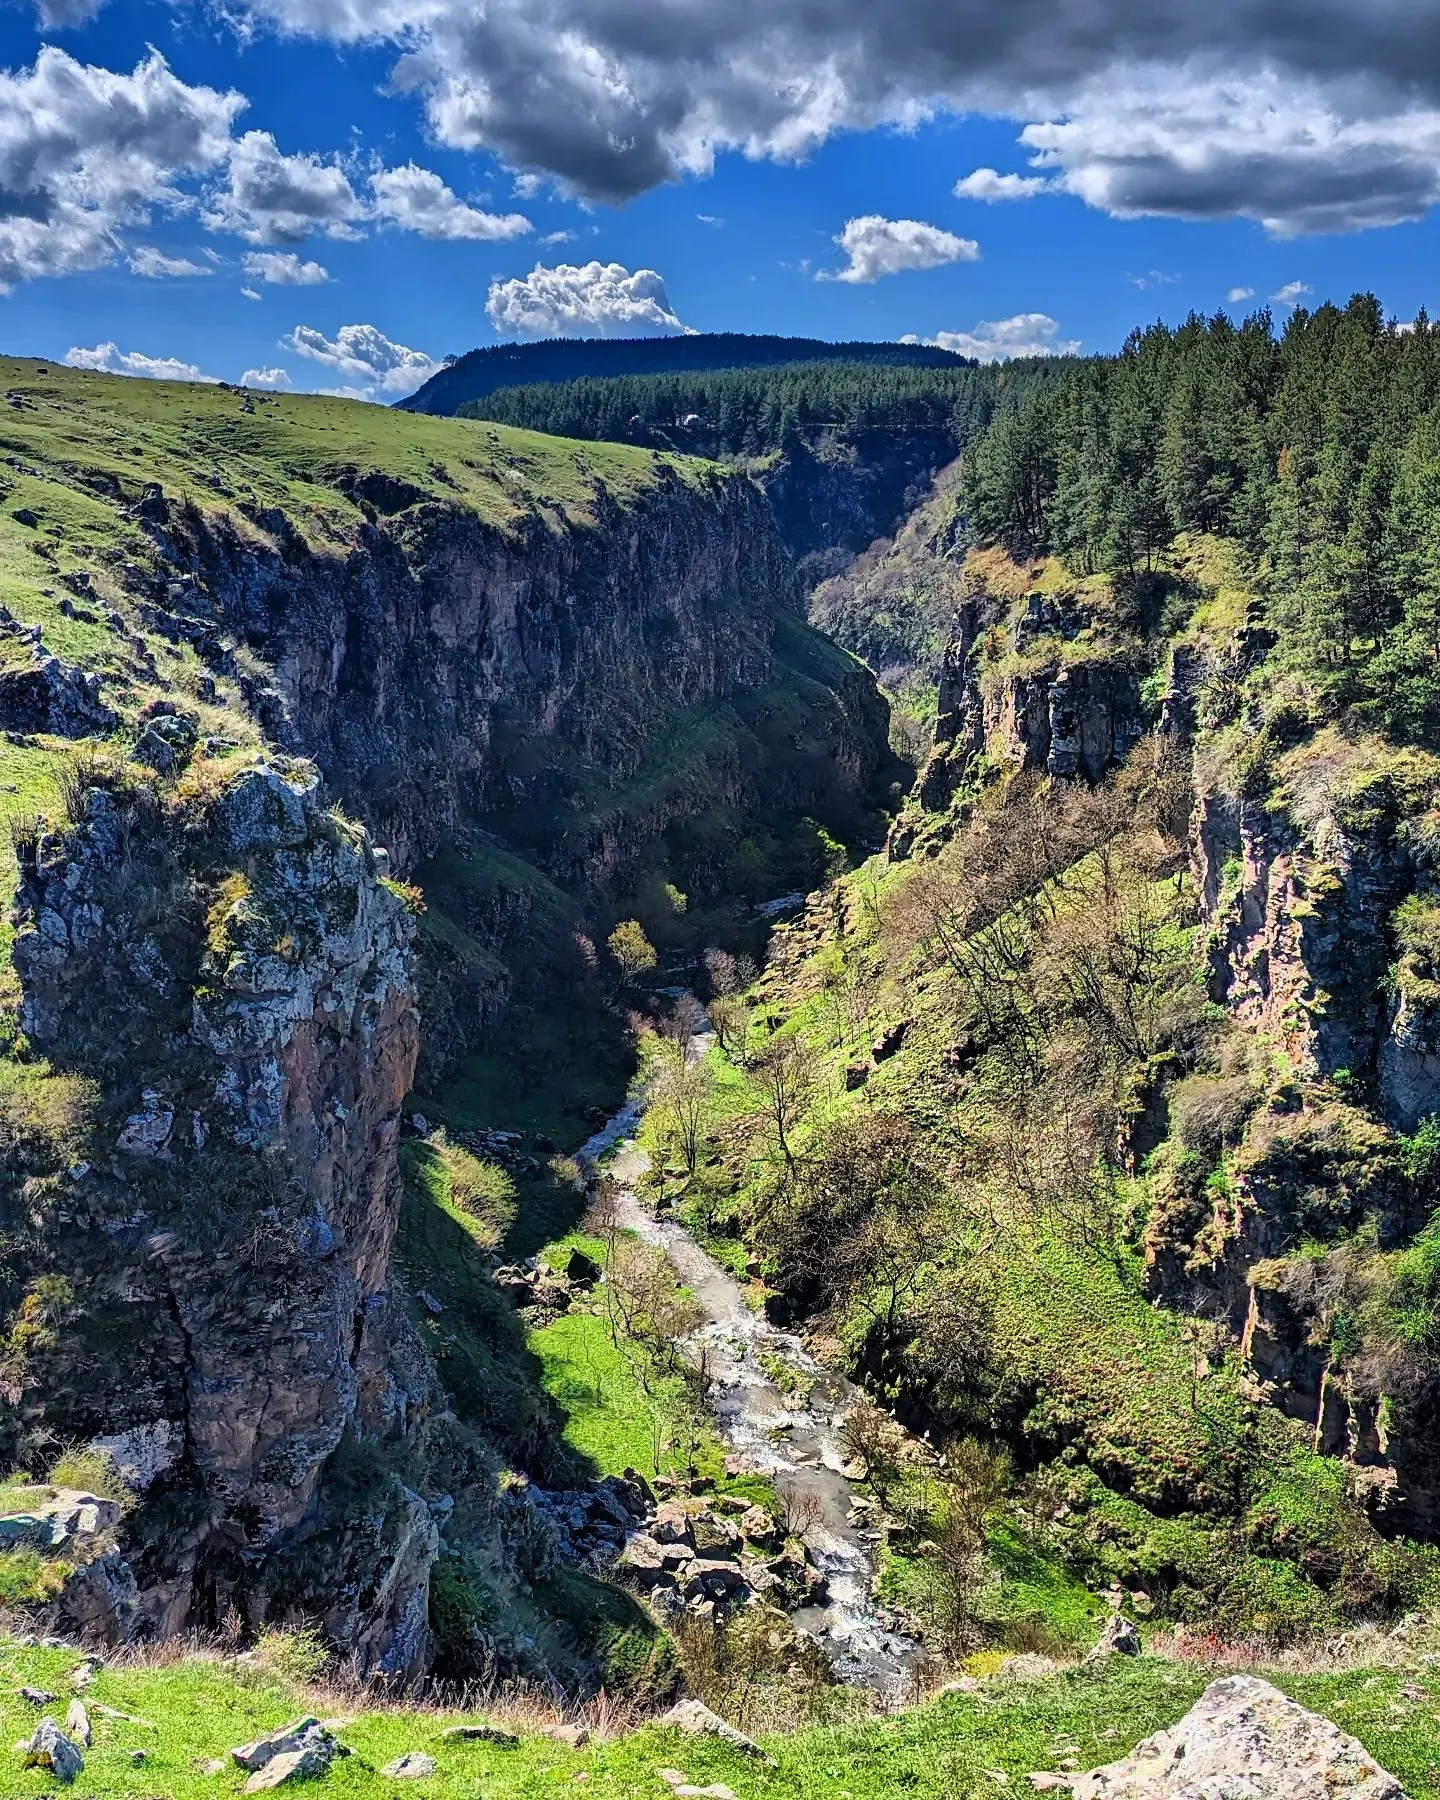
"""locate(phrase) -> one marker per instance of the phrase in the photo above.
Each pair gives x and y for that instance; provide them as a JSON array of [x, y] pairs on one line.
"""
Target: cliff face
[[212, 1018], [834, 497], [1286, 1163], [440, 668], [231, 973]]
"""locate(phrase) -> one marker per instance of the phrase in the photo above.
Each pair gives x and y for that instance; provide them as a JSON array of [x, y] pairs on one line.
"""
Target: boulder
[[1119, 1638], [167, 743], [706, 1580], [49, 1748], [77, 1723], [672, 1525], [305, 1738], [414, 1765], [1243, 1738], [695, 1717], [483, 1734], [581, 1269]]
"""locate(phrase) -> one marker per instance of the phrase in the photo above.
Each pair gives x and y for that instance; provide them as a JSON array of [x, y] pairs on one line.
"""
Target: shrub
[[290, 1655], [45, 1118], [93, 1472]]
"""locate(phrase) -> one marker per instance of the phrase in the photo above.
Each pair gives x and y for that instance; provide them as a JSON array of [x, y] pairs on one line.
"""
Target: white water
[[796, 1443]]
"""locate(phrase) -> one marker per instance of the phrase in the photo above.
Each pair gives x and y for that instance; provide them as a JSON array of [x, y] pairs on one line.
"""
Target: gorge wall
[[212, 1022]]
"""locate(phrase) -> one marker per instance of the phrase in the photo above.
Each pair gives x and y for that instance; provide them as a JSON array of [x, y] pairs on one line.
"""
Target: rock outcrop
[[1243, 1737], [234, 977]]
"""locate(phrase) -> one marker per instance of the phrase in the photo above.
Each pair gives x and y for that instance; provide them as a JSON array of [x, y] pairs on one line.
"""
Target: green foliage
[[750, 411], [93, 1472], [1317, 450]]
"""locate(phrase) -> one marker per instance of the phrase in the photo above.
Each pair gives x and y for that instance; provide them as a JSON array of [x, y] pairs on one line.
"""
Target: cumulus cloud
[[593, 299], [277, 380], [1283, 153], [991, 186], [997, 340], [108, 359], [1291, 294], [1237, 294], [85, 152], [418, 200], [1309, 115], [272, 198], [877, 247], [375, 364], [146, 260], [283, 268]]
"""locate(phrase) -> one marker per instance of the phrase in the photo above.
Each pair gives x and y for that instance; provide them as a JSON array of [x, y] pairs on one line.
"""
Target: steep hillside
[[481, 372], [558, 676], [1095, 1122]]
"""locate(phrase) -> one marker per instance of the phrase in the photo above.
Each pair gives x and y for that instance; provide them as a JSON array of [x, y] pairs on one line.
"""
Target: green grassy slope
[[958, 1747]]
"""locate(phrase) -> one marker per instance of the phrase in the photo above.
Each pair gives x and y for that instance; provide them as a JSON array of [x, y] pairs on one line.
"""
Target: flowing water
[[788, 1429]]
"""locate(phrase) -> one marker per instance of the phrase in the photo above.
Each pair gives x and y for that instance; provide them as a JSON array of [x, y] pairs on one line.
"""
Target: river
[[793, 1439]]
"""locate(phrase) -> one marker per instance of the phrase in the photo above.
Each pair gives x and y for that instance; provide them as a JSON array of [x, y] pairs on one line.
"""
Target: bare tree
[[786, 1071]]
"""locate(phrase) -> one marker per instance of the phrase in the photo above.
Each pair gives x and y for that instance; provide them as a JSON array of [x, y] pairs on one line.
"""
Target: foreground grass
[[957, 1746]]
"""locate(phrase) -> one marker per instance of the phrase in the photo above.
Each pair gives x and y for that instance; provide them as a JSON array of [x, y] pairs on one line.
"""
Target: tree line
[[752, 411], [1316, 447]]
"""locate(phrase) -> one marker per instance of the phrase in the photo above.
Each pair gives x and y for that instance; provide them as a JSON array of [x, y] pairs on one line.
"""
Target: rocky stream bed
[[792, 1436]]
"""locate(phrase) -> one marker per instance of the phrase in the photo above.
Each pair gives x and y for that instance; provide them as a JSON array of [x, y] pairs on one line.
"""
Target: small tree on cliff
[[632, 951]]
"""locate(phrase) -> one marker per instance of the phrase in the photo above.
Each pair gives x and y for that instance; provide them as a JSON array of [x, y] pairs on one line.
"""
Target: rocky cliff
[[210, 1017]]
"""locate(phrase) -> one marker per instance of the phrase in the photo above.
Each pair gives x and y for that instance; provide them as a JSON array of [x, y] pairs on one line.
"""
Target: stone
[[483, 1734], [1119, 1638], [167, 743], [1243, 1738], [672, 1525], [582, 1270], [414, 1765], [77, 1723], [290, 1765], [300, 1735], [717, 1790], [38, 1696], [757, 1527], [575, 1736], [49, 1748], [147, 1132], [694, 1717], [261, 811]]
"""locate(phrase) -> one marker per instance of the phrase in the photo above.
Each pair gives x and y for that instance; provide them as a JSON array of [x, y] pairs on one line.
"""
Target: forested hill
[[480, 372], [750, 411], [1318, 450]]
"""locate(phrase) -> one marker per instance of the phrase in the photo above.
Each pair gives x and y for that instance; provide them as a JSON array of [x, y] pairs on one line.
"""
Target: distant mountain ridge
[[481, 372]]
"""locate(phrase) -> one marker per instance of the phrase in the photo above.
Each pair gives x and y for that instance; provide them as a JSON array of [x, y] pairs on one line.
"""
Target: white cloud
[[991, 186], [1152, 278], [1237, 294], [272, 198], [878, 247], [277, 380], [416, 199], [283, 268], [146, 260], [85, 152], [249, 293], [1291, 294], [110, 360], [1307, 115], [997, 340], [347, 393], [1254, 146], [552, 238], [583, 300], [374, 363]]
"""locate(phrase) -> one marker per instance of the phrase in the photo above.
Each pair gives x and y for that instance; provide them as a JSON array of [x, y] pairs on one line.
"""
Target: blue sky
[[1168, 176]]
